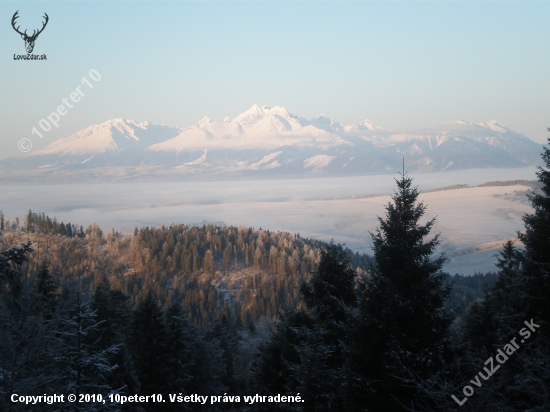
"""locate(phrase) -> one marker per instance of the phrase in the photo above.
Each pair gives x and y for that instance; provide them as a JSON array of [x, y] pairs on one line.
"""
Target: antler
[[34, 34], [15, 16]]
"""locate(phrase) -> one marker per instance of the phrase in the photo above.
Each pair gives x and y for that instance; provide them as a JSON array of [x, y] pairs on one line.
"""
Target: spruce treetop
[[403, 314], [398, 244]]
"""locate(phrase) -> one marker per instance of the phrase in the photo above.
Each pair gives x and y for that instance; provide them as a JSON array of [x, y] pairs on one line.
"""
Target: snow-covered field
[[473, 222]]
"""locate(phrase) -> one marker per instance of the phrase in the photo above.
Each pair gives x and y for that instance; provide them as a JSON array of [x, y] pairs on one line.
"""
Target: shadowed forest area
[[217, 310]]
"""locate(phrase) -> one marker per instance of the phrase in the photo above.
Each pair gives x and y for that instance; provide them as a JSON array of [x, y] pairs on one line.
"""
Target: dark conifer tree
[[27, 343], [497, 316], [114, 314], [329, 298], [45, 288], [331, 292], [205, 365], [179, 349], [220, 335], [274, 370], [536, 239], [102, 305], [521, 294], [29, 221], [309, 350], [405, 322], [481, 331], [11, 261], [508, 295], [227, 257], [148, 337], [62, 229], [85, 366]]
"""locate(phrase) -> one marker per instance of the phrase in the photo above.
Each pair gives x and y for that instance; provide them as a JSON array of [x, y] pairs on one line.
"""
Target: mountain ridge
[[270, 141]]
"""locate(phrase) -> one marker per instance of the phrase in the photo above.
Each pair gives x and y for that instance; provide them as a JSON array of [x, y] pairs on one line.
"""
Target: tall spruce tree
[[521, 294], [276, 363], [502, 309], [45, 288], [330, 299], [28, 343], [179, 348], [86, 367], [148, 346], [404, 321], [536, 239], [508, 294], [221, 336], [114, 314], [208, 366], [528, 386]]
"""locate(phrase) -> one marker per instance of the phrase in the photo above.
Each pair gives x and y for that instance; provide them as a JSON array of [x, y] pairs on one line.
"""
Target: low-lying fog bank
[[473, 222]]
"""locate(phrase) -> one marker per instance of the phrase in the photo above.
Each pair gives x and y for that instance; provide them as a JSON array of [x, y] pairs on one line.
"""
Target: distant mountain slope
[[269, 141]]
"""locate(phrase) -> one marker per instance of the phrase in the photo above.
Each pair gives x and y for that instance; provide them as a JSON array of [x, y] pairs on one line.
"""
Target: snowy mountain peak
[[277, 110], [369, 125], [250, 117], [256, 113], [204, 121], [494, 125], [326, 123], [365, 125], [113, 136]]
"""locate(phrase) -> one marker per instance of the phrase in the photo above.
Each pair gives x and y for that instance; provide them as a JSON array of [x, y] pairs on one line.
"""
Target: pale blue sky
[[397, 63]]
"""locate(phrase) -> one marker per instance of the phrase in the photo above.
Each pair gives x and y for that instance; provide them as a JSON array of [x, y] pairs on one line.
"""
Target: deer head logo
[[29, 40]]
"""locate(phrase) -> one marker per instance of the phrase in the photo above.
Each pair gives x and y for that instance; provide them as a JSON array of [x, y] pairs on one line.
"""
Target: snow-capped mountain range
[[269, 141]]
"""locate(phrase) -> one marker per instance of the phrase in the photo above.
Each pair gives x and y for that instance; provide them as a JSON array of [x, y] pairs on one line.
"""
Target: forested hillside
[[204, 298], [211, 271]]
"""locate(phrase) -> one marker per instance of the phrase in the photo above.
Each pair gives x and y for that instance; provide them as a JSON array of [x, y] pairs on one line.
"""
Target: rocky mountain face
[[269, 142]]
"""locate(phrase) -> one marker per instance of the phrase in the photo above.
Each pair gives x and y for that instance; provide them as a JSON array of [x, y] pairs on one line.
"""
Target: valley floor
[[473, 222]]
